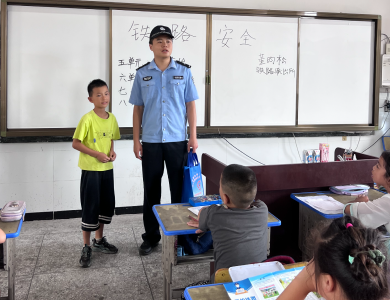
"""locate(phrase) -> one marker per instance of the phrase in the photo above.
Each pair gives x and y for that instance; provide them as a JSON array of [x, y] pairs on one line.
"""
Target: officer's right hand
[[138, 150], [102, 157]]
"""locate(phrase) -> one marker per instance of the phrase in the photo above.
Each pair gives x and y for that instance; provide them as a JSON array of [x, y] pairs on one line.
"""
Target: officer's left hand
[[192, 143]]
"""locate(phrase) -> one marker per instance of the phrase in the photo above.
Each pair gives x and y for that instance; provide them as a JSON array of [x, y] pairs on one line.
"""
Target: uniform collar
[[172, 65]]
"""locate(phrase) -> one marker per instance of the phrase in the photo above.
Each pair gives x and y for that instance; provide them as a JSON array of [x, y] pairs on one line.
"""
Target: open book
[[267, 286], [323, 203]]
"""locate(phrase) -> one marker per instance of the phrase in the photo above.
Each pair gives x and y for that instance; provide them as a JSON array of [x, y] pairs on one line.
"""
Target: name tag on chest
[[147, 78], [178, 77]]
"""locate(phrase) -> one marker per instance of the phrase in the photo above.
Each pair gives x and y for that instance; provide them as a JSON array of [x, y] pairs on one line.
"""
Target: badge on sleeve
[[178, 77], [147, 78]]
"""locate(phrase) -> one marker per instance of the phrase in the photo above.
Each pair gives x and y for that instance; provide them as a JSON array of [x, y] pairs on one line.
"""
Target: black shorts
[[97, 198]]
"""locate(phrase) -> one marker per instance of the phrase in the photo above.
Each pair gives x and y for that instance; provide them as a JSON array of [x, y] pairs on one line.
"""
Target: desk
[[12, 230], [309, 216], [173, 220], [217, 291]]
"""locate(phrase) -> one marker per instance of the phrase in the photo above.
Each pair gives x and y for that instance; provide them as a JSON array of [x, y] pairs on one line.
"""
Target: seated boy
[[239, 226]]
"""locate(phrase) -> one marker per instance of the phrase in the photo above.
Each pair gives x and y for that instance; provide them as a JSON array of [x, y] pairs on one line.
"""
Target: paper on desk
[[324, 204], [196, 209]]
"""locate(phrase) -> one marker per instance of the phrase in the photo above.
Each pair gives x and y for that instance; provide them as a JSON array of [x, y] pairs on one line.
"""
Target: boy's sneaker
[[85, 260], [104, 246]]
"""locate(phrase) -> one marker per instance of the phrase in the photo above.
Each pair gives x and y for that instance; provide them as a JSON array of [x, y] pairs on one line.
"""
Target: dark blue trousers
[[153, 157]]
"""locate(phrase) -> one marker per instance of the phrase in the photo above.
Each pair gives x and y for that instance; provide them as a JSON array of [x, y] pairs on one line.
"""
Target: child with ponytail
[[348, 263]]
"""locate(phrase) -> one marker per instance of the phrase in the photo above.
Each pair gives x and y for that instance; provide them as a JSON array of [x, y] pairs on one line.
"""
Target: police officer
[[163, 96]]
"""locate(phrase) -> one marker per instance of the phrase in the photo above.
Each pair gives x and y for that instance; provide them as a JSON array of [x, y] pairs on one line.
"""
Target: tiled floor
[[47, 264]]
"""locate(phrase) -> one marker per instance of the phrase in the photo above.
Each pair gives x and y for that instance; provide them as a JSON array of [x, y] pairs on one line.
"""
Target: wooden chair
[[222, 276]]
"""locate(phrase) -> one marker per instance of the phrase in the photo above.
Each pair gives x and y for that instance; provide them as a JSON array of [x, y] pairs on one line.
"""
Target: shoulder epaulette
[[183, 64], [143, 66]]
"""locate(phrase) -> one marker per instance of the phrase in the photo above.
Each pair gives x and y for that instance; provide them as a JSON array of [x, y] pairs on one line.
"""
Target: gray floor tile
[[68, 225], [22, 286], [50, 250], [138, 231], [126, 220], [27, 250], [48, 226], [97, 284], [61, 252], [155, 256]]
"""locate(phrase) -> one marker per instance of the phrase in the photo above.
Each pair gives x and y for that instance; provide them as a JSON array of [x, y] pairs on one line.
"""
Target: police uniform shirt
[[164, 96]]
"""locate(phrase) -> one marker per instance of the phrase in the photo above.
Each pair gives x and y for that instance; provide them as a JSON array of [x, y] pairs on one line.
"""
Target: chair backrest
[[222, 276], [283, 259]]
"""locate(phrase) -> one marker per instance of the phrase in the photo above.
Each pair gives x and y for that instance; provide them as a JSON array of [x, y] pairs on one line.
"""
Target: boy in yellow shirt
[[94, 138]]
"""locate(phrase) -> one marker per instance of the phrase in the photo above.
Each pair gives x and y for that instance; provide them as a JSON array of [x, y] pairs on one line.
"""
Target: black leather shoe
[[146, 248]]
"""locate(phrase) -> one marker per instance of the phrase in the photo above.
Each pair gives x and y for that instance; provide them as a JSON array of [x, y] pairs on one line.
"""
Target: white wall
[[46, 176]]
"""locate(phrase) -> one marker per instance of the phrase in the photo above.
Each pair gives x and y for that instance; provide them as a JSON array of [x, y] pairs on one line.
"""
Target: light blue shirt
[[164, 96]]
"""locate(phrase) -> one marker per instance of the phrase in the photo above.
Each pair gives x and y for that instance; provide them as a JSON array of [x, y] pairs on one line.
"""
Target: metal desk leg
[[269, 241], [11, 268], [168, 253]]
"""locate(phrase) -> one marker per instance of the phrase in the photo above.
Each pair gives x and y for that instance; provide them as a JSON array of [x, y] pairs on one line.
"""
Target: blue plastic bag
[[192, 181]]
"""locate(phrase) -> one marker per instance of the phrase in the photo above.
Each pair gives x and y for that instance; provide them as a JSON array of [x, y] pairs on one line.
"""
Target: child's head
[[160, 41], [238, 185], [352, 257], [98, 93], [381, 171]]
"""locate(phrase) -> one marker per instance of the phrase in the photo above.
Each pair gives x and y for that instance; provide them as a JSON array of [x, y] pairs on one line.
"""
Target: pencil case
[[350, 190], [205, 200], [13, 211]]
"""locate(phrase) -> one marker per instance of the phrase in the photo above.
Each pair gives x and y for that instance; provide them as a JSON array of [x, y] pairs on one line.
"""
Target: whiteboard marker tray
[[245, 271]]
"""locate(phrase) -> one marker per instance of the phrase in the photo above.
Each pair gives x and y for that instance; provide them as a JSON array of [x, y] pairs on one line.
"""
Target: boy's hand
[[102, 157], [138, 150], [194, 223], [112, 155]]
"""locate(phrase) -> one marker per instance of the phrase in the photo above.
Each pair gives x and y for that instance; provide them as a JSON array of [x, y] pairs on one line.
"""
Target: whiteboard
[[253, 71], [336, 72], [130, 49], [53, 53]]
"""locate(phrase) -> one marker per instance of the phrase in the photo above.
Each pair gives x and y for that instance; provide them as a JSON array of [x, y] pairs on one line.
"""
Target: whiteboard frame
[[207, 129]]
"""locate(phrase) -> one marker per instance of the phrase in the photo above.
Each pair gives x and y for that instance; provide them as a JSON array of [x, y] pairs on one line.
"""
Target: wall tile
[[128, 191], [18, 167], [37, 195], [25, 147], [66, 165], [66, 195]]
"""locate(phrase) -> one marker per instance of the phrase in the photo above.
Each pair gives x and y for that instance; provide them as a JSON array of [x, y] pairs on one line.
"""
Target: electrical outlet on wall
[[344, 138]]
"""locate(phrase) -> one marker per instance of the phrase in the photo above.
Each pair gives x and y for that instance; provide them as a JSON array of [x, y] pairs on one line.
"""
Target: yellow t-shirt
[[96, 133]]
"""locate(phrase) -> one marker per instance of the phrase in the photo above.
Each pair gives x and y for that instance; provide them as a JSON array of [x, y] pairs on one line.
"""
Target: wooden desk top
[[372, 195], [215, 292], [9, 227], [175, 216]]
